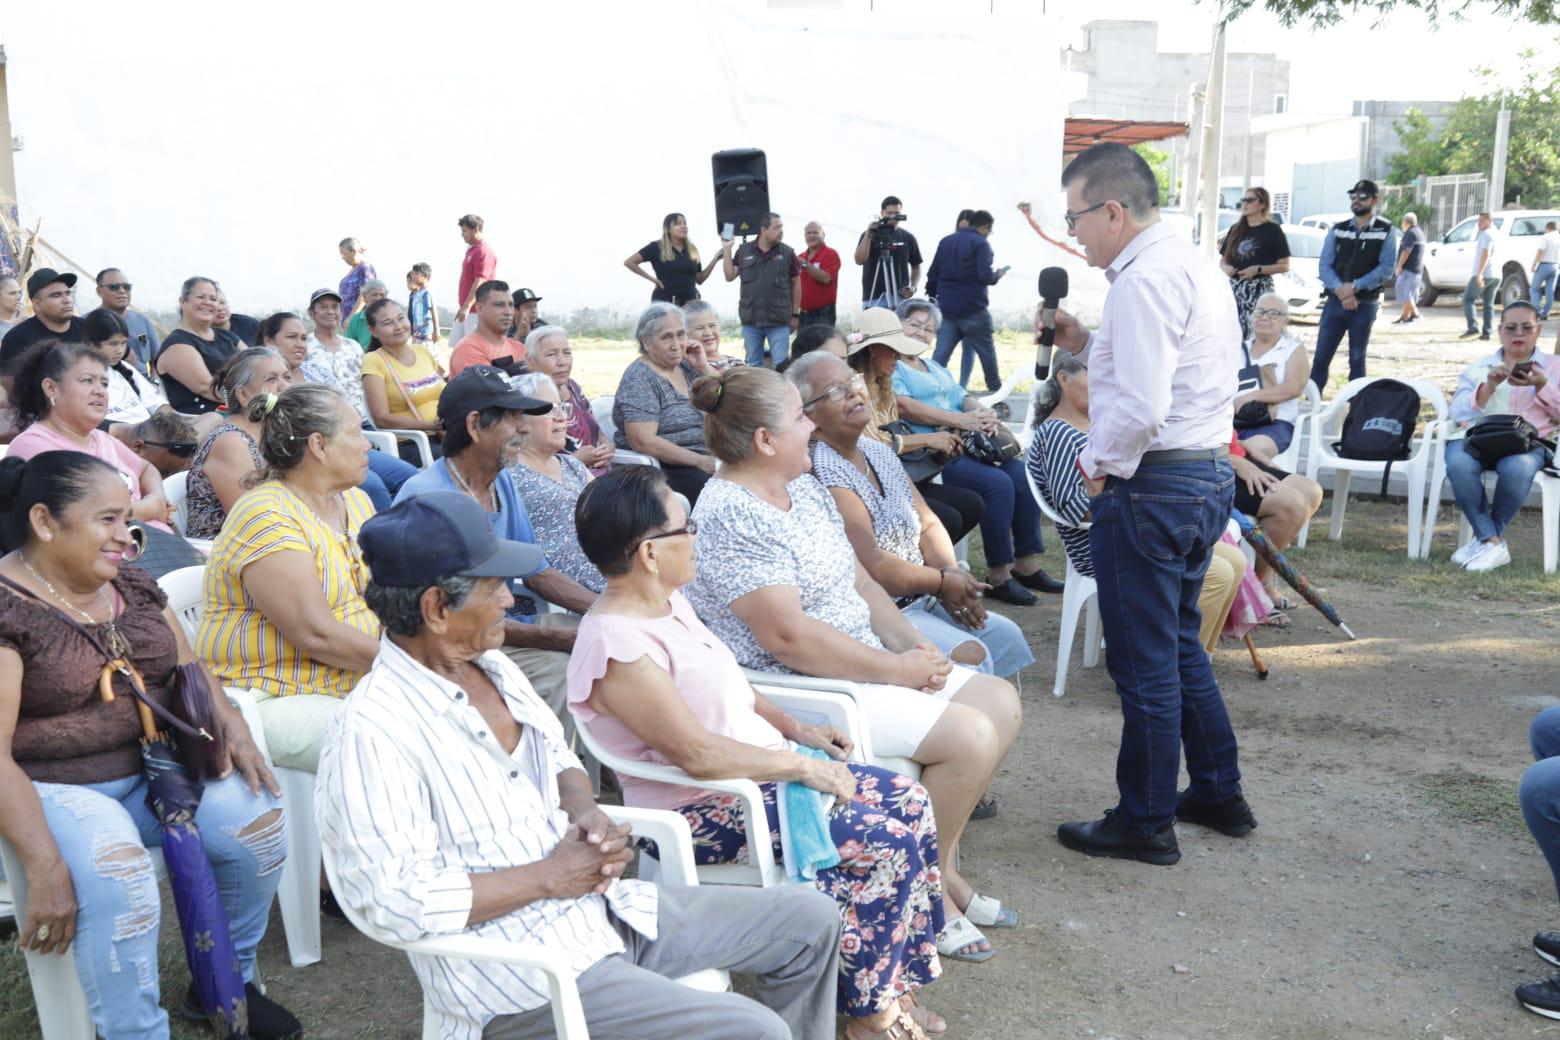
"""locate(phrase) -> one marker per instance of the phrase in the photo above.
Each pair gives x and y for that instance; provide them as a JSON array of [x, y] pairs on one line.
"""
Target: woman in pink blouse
[[62, 399], [650, 682]]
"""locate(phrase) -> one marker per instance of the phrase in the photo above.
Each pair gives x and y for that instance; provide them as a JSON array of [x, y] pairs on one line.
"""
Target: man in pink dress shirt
[[1162, 368]]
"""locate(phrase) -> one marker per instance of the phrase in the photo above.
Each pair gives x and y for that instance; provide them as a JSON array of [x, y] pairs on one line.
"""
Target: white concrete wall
[[1298, 140]]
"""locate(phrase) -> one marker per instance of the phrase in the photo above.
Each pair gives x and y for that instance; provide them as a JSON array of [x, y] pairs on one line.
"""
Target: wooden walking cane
[[1256, 658]]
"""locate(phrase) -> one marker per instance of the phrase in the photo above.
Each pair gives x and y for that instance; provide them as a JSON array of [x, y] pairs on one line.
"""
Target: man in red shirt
[[820, 279], [479, 265], [489, 342]]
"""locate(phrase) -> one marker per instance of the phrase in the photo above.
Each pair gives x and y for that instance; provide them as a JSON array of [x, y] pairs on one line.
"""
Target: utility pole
[[1194, 98], [1212, 143], [1497, 197], [1251, 92]]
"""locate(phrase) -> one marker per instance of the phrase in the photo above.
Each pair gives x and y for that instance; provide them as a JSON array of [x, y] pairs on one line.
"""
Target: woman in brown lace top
[[72, 793]]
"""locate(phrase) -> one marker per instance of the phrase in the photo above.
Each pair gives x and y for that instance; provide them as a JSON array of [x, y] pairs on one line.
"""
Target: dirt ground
[[1389, 891]]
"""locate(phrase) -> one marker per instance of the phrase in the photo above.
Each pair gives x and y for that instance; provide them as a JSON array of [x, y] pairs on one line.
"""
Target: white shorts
[[899, 718]]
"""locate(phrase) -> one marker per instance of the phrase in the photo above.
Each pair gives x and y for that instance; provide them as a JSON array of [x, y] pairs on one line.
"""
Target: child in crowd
[[419, 307]]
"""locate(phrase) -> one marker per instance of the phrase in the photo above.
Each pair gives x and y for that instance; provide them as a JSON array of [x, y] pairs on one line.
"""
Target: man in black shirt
[[54, 315], [884, 240]]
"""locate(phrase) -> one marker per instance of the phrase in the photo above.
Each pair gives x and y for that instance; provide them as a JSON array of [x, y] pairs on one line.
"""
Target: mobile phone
[[1522, 368], [728, 232]]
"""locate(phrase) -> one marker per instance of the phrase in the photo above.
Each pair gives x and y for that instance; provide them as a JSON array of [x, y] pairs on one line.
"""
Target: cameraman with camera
[[890, 258]]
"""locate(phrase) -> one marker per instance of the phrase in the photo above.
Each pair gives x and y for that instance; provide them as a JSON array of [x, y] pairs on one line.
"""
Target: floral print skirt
[[1247, 292], [888, 882]]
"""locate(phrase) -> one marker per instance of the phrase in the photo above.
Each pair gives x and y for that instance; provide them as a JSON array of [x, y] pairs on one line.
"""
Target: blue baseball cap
[[441, 534]]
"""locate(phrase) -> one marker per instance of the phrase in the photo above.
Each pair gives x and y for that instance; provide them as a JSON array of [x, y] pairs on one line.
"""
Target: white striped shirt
[[414, 794]]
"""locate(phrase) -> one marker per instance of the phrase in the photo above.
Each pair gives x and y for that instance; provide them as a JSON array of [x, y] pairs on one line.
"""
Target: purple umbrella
[[174, 796]]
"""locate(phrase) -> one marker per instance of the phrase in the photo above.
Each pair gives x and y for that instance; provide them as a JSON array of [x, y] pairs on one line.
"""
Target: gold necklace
[[116, 642], [494, 503]]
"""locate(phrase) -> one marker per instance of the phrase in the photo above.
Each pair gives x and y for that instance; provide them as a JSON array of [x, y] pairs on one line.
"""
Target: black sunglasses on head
[[182, 449]]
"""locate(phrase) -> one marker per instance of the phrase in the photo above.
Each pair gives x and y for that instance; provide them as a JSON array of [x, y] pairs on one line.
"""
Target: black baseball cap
[[321, 294], [1368, 187], [46, 276], [525, 296], [441, 534], [483, 386]]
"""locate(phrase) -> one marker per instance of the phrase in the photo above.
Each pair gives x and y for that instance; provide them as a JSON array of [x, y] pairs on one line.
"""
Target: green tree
[[1159, 161], [1322, 13], [1466, 141]]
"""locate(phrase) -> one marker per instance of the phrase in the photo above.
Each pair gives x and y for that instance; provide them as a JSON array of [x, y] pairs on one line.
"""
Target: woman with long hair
[[401, 379], [675, 261], [1255, 249], [284, 333]]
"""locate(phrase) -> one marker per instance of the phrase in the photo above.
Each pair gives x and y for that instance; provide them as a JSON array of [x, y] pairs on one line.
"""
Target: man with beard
[[1358, 258], [481, 413]]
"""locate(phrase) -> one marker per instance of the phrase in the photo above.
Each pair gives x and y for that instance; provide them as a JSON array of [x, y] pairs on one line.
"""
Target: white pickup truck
[[1449, 261]]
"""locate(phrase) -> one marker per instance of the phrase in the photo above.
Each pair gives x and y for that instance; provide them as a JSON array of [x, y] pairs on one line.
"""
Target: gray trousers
[[788, 937]]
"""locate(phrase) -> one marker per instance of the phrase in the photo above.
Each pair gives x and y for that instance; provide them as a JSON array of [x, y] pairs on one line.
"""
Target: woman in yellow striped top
[[284, 612]]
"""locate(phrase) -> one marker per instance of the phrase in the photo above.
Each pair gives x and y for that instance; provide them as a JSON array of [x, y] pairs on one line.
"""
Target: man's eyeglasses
[[838, 392], [1269, 312], [1072, 218], [116, 286], [1525, 329], [181, 449]]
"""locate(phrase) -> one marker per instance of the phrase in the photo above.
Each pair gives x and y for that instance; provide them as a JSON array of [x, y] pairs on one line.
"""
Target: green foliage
[[1466, 142], [1159, 161], [1323, 13]]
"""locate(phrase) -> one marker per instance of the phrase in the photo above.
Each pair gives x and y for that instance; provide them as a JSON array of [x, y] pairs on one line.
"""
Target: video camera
[[883, 230]]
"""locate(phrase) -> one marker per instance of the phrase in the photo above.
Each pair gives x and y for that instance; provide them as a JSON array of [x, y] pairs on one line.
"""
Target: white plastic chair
[[760, 870], [601, 408], [175, 490], [674, 840], [1080, 595], [1549, 492], [1327, 424], [839, 688], [299, 894], [417, 437], [1310, 403]]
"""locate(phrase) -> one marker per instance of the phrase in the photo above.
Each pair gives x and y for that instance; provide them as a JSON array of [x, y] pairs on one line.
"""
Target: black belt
[[1173, 455]]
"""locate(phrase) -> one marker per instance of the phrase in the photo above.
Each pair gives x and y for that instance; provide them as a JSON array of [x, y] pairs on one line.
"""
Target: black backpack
[[1380, 425]]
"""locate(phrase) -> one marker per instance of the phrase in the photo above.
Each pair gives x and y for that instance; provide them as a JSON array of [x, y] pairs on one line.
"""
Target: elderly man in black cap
[[1359, 256], [480, 821], [53, 298], [481, 413]]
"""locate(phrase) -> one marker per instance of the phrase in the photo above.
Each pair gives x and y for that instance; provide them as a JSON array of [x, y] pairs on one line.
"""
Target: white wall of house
[[1311, 161]]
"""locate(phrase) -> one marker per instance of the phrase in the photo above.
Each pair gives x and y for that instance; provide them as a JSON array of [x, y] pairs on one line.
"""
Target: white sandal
[[959, 933], [990, 913]]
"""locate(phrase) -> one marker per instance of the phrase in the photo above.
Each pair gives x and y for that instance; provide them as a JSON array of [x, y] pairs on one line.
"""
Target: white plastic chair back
[[175, 490], [1548, 483], [1080, 595], [186, 590]]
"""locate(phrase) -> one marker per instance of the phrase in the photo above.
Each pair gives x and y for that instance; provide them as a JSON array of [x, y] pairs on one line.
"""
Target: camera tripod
[[883, 273]]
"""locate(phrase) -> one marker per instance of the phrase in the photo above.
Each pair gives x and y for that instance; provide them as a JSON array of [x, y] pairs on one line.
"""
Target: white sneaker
[[1467, 552], [1496, 554]]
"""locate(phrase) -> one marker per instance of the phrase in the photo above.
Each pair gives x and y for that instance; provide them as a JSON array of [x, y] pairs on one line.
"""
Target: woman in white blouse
[[1281, 370]]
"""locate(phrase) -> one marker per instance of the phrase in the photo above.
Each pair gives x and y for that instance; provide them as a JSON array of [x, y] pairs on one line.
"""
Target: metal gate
[[1447, 201]]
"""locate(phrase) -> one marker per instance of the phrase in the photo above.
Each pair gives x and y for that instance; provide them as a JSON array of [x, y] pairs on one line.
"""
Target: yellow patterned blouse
[[242, 647]]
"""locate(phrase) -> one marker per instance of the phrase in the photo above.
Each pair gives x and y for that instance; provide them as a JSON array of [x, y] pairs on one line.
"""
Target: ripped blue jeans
[[103, 831]]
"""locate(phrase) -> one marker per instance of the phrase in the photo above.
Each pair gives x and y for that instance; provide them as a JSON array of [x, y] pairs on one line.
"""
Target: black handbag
[[1253, 413], [922, 464], [994, 449], [1498, 436]]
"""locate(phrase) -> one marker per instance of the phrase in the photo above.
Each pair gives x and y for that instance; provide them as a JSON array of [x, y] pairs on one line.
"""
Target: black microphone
[[1053, 290]]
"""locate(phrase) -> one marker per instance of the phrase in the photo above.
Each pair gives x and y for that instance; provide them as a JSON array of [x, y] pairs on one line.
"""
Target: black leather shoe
[[1541, 998], [268, 1020], [1040, 581], [1012, 592], [1231, 817], [1109, 837], [1547, 946]]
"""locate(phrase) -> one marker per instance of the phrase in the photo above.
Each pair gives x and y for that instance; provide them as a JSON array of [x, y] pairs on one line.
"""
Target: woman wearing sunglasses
[[550, 480], [1255, 249]]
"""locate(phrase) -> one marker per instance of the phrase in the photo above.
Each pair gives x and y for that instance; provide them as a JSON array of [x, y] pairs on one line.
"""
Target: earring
[[51, 402]]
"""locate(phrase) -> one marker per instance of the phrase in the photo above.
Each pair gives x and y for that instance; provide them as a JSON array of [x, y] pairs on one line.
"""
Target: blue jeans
[[119, 906], [1330, 329], [779, 337], [1514, 476], [1543, 291], [1540, 789], [976, 332], [1486, 298], [1011, 525], [1007, 651], [386, 474], [1151, 541]]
